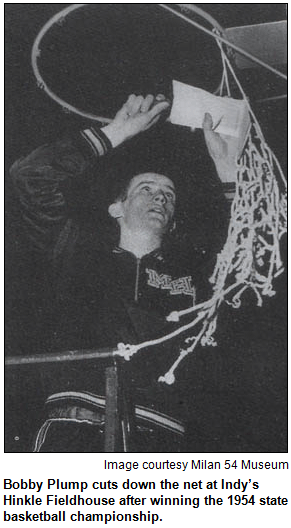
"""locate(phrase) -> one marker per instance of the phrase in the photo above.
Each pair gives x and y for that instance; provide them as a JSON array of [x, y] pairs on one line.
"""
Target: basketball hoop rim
[[59, 18]]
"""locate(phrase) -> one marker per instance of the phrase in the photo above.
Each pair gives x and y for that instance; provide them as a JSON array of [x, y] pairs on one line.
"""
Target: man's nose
[[160, 197]]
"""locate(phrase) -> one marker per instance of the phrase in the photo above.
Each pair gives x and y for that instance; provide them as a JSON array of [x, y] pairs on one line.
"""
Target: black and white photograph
[[145, 215]]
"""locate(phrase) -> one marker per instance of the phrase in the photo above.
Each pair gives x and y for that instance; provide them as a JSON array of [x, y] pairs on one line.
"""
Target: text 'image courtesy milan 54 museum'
[[145, 228]]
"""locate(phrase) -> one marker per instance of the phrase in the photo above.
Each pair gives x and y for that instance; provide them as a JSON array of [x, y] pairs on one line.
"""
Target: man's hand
[[222, 149], [137, 115], [217, 146]]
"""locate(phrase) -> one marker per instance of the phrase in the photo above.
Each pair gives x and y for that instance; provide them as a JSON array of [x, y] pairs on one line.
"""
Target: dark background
[[115, 50]]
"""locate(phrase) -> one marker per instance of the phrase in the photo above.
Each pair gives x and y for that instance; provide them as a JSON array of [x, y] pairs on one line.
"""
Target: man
[[106, 295]]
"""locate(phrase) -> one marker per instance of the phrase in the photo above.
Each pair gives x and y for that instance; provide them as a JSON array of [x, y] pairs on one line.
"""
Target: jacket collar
[[156, 253]]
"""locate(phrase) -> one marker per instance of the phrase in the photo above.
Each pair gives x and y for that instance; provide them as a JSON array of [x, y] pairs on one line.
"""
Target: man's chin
[[159, 217], [158, 224]]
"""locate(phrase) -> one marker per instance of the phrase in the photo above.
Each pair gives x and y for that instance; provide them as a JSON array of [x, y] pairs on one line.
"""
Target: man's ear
[[173, 226], [115, 210]]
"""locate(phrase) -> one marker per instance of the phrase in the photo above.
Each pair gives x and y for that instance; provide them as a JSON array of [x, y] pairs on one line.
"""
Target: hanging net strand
[[250, 258]]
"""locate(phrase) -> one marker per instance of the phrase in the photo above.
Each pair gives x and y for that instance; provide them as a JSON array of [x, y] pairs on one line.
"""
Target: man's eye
[[170, 196], [146, 188]]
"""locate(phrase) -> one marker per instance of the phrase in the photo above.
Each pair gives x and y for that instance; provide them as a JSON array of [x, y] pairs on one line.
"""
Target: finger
[[207, 122], [160, 97], [158, 109], [130, 104], [126, 108], [147, 103], [130, 100], [135, 106], [152, 122]]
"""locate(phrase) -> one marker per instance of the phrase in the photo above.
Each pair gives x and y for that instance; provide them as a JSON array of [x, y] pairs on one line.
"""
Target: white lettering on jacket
[[182, 285]]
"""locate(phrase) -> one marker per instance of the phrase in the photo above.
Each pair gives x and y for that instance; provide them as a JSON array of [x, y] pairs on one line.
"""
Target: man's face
[[150, 204]]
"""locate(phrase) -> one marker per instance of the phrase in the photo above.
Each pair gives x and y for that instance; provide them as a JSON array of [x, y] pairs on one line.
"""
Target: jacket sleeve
[[40, 180]]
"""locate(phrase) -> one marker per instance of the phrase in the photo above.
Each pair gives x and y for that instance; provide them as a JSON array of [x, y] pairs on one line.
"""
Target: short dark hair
[[121, 191]]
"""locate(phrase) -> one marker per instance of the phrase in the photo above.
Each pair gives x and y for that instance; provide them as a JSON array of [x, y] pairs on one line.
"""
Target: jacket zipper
[[137, 279]]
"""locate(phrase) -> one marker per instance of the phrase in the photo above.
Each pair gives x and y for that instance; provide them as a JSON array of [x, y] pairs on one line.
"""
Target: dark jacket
[[103, 295]]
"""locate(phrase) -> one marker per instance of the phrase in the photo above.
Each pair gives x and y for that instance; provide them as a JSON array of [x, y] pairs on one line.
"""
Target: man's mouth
[[157, 210]]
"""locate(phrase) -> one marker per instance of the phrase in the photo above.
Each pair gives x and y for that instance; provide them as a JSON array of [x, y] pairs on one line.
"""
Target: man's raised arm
[[41, 177]]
